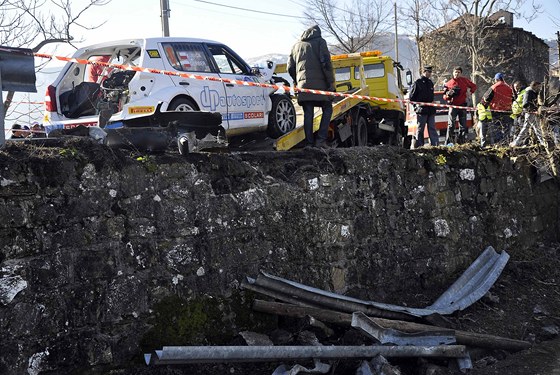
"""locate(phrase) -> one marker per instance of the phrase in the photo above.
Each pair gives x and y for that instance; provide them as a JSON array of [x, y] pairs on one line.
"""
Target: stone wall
[[103, 256], [513, 51]]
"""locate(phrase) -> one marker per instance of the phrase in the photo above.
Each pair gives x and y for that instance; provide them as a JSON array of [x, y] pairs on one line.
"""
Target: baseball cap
[[427, 69], [499, 76]]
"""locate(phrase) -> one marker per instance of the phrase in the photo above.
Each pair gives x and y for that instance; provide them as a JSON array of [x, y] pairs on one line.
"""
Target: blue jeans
[[430, 120], [308, 111]]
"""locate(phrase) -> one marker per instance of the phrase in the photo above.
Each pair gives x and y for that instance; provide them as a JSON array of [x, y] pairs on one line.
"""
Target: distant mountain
[[261, 60]]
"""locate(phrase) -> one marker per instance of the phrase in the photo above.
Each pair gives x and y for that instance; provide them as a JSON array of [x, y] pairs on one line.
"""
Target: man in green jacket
[[310, 67]]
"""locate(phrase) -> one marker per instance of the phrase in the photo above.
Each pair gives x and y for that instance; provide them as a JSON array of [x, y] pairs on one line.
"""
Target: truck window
[[187, 57], [342, 74], [371, 71]]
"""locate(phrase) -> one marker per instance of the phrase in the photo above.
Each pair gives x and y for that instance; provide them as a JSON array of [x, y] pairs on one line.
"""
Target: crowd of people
[[35, 130], [506, 114]]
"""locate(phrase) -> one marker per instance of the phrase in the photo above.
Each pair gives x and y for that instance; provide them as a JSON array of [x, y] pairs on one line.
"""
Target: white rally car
[[97, 95]]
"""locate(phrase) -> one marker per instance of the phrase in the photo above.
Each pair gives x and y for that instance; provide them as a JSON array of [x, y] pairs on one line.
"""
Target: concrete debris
[[10, 287], [256, 339], [320, 368]]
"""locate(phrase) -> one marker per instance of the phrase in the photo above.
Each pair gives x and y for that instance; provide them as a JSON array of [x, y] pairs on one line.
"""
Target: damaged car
[[97, 92]]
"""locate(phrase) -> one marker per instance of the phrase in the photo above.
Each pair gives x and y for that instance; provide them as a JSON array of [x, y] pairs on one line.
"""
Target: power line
[[249, 10]]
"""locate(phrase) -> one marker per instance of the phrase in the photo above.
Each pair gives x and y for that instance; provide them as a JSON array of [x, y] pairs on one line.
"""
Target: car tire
[[282, 117], [182, 104]]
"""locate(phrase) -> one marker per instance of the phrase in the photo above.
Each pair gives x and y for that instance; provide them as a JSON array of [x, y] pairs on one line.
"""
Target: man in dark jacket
[[423, 91], [310, 67], [530, 107]]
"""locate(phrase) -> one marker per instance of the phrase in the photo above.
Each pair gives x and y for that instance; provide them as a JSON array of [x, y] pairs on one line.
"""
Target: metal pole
[[216, 354], [164, 4], [396, 36]]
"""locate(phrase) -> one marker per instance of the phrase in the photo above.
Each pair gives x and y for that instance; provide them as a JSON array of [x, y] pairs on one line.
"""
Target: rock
[[10, 287], [256, 339], [550, 332]]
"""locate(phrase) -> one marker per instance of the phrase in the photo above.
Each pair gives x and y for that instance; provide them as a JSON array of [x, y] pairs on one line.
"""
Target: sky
[[271, 26], [251, 28]]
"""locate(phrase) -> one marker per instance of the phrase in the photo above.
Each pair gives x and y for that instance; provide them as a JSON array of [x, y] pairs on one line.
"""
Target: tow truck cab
[[381, 75]]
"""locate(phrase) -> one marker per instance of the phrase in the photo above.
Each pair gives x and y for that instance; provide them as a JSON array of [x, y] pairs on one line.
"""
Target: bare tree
[[353, 25], [474, 23], [36, 23], [420, 17]]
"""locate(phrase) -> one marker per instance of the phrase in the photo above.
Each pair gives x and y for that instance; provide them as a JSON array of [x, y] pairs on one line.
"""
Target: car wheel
[[182, 105], [282, 117]]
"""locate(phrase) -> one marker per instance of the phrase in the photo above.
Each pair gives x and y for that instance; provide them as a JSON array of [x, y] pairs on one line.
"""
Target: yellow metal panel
[[289, 140]]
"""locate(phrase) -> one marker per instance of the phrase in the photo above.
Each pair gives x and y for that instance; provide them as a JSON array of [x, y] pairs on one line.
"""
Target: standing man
[[423, 91], [310, 67], [500, 97], [455, 93], [530, 107], [519, 88]]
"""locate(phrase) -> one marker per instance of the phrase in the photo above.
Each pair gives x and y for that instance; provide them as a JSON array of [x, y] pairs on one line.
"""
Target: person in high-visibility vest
[[519, 88], [485, 123]]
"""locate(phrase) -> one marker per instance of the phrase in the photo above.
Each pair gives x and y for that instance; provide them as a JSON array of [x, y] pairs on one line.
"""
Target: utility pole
[[396, 36], [164, 4]]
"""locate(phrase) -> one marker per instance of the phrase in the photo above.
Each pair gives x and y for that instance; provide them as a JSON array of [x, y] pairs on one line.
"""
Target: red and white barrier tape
[[245, 83]]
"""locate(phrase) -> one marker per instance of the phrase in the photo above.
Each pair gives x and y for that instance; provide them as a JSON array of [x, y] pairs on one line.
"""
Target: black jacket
[[423, 91], [310, 65], [530, 100]]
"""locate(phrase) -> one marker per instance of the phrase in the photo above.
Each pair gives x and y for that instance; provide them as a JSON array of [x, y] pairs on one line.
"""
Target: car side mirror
[[255, 70], [408, 77]]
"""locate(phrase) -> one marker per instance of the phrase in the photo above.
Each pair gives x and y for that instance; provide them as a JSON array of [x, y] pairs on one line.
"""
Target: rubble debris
[[463, 337], [467, 289], [255, 339], [377, 366], [320, 368]]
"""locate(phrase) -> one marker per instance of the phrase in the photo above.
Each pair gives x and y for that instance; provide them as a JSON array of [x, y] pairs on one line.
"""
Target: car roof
[[140, 42]]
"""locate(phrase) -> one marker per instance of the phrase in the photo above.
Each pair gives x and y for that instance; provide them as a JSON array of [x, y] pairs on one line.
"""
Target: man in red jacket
[[500, 97], [456, 94]]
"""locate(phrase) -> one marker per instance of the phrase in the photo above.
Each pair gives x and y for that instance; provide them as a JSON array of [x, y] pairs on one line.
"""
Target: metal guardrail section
[[392, 336], [467, 289], [170, 355], [396, 337]]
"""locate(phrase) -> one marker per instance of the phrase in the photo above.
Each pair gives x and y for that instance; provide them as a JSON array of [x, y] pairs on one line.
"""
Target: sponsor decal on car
[[212, 99], [251, 115], [141, 110]]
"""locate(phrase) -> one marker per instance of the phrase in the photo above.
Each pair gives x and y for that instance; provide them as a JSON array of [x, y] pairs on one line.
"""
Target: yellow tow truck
[[357, 121]]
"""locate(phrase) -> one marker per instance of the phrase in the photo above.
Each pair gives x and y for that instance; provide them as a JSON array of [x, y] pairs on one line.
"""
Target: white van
[[95, 95]]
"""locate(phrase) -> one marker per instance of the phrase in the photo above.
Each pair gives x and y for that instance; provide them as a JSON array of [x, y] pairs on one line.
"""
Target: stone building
[[513, 51]]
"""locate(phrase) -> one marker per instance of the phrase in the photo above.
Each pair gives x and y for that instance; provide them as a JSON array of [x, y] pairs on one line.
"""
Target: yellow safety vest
[[517, 105], [484, 113]]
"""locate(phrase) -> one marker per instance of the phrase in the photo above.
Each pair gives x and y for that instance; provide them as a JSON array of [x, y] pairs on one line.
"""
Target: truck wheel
[[360, 132], [407, 142], [396, 138], [282, 117], [182, 105]]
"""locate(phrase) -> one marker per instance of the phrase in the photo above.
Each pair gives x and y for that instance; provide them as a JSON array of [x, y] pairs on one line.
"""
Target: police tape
[[250, 83]]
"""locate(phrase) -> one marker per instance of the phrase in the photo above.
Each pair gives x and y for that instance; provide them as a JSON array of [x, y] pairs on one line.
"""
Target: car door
[[246, 104], [192, 57]]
